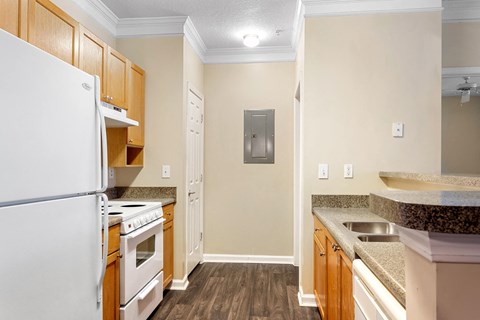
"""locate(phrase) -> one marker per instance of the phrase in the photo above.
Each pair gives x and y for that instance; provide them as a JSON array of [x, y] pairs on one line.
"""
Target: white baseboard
[[179, 284], [306, 300], [241, 258]]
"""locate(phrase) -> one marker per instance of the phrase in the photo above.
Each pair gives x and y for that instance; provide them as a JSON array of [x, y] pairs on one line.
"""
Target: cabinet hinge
[[201, 236], [202, 118], [201, 178]]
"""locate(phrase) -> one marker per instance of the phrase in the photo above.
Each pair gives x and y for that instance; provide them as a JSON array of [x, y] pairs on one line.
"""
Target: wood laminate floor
[[228, 291]]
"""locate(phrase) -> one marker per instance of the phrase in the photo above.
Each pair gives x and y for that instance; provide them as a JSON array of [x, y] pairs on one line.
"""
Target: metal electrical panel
[[259, 136]]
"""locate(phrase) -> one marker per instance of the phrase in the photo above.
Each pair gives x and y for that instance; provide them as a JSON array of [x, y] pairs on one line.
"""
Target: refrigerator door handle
[[105, 246], [103, 137]]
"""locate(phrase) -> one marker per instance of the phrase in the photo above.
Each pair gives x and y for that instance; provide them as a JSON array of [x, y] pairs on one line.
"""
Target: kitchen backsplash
[[340, 201], [146, 192]]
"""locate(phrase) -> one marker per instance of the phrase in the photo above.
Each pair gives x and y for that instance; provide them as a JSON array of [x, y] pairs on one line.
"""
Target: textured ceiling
[[220, 23]]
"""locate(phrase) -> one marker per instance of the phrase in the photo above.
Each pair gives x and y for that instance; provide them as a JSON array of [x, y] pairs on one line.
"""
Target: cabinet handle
[[336, 247], [322, 254], [318, 229], [111, 98], [120, 255], [130, 140], [106, 97]]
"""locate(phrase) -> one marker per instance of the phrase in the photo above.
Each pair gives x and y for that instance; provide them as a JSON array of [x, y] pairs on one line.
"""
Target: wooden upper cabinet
[[116, 79], [52, 30], [13, 17], [93, 56], [136, 104]]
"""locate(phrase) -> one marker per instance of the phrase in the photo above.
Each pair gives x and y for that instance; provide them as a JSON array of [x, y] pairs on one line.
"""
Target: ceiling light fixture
[[251, 40]]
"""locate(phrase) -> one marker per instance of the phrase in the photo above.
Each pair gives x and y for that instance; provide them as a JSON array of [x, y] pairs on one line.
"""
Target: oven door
[[142, 258]]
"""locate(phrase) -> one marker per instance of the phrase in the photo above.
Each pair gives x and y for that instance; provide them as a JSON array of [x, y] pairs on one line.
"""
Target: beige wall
[[460, 47], [81, 16], [460, 134], [361, 74], [162, 60], [248, 207]]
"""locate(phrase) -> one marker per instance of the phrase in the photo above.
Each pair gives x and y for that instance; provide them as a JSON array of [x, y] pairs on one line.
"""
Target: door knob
[[190, 193]]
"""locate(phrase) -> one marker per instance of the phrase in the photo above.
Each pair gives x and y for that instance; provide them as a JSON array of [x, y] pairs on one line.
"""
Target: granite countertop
[[445, 179], [114, 220], [386, 260], [454, 212]]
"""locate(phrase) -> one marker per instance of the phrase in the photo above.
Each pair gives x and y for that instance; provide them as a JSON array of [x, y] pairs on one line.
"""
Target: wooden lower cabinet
[[320, 277], [167, 245], [111, 288], [332, 278], [111, 283]]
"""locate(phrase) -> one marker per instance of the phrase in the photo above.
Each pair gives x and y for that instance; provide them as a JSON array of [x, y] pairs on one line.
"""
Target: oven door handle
[[142, 295], [144, 229]]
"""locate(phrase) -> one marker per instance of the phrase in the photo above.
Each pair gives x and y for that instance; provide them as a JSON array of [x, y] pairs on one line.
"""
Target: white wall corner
[[194, 38], [241, 258], [247, 55], [461, 11], [306, 300], [179, 284], [100, 13], [163, 26], [351, 7]]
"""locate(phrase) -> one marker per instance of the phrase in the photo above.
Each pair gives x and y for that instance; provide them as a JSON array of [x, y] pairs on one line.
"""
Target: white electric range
[[141, 252], [134, 214]]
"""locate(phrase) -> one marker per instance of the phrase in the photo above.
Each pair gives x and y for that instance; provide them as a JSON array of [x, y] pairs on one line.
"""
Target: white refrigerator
[[52, 175]]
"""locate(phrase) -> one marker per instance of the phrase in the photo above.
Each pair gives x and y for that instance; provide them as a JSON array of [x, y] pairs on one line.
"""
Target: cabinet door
[[116, 78], [333, 290], [320, 277], [53, 31], [167, 253], [111, 288], [346, 299], [136, 104], [93, 56], [13, 15]]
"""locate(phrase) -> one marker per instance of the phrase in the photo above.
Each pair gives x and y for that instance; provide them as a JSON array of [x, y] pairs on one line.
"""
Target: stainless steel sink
[[371, 227], [379, 238]]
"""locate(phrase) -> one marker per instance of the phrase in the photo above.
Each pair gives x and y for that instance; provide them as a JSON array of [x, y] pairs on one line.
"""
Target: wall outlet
[[348, 171], [397, 129], [323, 171], [111, 173], [165, 171]]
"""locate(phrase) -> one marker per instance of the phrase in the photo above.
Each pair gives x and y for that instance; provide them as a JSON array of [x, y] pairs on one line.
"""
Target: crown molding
[[352, 7], [460, 72], [461, 11], [194, 38], [248, 55], [139, 27], [298, 22], [100, 13]]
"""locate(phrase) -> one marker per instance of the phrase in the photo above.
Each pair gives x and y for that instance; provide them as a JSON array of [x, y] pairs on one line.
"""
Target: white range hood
[[116, 117]]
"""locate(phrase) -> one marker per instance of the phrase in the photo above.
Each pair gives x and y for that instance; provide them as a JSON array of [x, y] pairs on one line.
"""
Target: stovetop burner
[[132, 205], [114, 213]]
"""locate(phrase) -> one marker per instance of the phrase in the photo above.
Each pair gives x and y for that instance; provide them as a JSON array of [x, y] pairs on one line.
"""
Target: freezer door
[[50, 142], [51, 260]]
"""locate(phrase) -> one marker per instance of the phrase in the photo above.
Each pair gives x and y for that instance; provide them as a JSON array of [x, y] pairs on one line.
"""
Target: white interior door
[[194, 178]]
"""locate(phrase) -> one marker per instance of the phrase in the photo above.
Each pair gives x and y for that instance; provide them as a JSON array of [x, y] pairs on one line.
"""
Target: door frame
[[194, 90], [297, 177]]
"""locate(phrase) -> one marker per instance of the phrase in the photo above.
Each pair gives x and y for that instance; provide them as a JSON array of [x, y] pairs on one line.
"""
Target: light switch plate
[[165, 171], [323, 171], [397, 129]]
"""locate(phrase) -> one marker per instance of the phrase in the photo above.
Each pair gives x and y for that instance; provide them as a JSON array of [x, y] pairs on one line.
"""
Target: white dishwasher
[[372, 300]]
